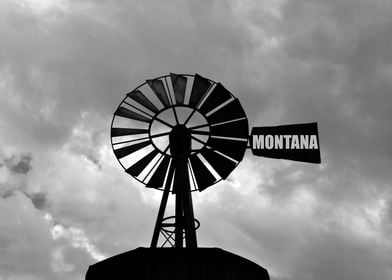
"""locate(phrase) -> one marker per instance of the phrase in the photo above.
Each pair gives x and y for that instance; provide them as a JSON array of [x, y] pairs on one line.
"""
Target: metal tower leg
[[190, 231], [162, 208], [185, 222], [179, 221]]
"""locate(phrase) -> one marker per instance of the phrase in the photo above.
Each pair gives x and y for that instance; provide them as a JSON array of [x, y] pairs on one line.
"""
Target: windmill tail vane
[[181, 133], [298, 142]]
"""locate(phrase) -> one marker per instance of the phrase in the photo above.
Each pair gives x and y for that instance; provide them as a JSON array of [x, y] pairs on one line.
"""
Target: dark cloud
[[39, 200], [14, 173], [7, 193], [19, 163]]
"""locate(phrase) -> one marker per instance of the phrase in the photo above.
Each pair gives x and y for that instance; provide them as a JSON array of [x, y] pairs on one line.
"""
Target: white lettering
[[258, 141], [287, 141], [294, 142], [278, 142], [313, 142], [269, 142], [304, 141]]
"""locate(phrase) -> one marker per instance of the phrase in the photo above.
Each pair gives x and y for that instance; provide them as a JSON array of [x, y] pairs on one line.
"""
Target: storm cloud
[[65, 65]]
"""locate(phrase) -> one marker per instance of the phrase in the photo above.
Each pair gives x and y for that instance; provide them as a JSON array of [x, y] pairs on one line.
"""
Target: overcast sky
[[65, 65]]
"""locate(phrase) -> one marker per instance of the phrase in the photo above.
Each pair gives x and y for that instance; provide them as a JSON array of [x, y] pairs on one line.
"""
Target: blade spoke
[[198, 140], [200, 132], [218, 96], [203, 176], [198, 126], [159, 160], [143, 138], [230, 148], [190, 116], [131, 141], [140, 98], [222, 165], [175, 115], [218, 123], [160, 134], [231, 110], [124, 151], [164, 122], [119, 131], [140, 165], [126, 113], [136, 108], [157, 179]]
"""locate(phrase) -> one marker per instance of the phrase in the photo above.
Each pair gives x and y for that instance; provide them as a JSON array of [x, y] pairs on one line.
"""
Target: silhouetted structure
[[178, 134], [176, 264], [189, 133]]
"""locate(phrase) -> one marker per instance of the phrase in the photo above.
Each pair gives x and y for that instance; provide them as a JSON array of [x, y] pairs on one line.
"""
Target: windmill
[[182, 133]]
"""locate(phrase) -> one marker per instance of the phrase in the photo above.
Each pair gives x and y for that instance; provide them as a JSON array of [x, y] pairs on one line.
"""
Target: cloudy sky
[[65, 65]]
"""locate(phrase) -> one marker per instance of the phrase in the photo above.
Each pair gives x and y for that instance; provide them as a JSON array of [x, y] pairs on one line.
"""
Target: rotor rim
[[154, 116]]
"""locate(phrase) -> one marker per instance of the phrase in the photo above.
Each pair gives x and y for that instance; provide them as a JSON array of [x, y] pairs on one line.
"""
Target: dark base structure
[[176, 263]]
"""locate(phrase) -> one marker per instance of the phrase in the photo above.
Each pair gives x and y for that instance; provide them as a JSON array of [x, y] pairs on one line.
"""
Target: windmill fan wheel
[[173, 111]]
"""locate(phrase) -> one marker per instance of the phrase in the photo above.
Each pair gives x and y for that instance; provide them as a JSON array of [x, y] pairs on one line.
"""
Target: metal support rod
[[190, 231], [179, 221], [162, 207], [178, 176], [185, 222]]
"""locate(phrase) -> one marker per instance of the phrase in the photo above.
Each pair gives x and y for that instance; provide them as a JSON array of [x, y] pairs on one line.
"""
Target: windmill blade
[[118, 131], [199, 88], [157, 179], [159, 89], [204, 177], [179, 87], [218, 128], [233, 149], [217, 97], [222, 165], [122, 152], [230, 111], [139, 166], [237, 129], [125, 113], [140, 98]]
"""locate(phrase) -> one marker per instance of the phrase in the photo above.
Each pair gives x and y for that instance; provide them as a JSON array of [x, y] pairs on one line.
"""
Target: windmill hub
[[180, 142], [186, 118]]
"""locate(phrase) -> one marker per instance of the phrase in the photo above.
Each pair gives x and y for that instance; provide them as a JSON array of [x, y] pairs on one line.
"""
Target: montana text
[[285, 142]]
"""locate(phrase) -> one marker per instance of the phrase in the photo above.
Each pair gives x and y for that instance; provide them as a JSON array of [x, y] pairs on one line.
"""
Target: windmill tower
[[180, 134], [190, 133]]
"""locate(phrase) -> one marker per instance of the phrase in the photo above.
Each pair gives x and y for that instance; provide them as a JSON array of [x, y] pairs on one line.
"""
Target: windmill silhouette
[[179, 133]]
